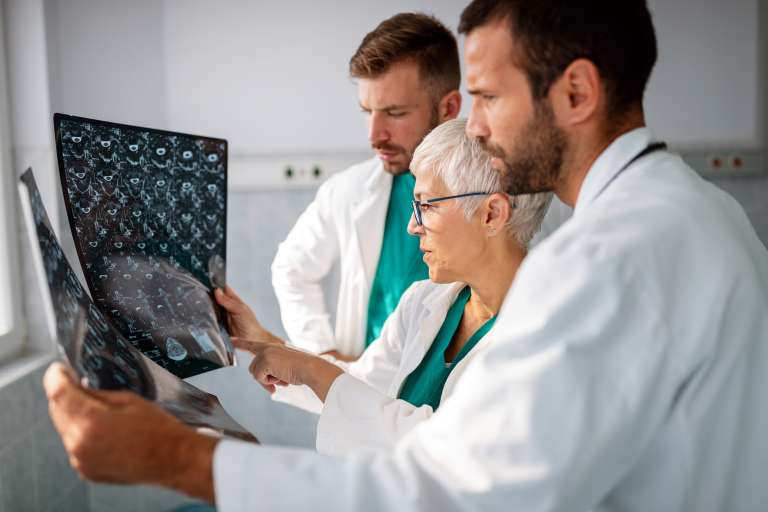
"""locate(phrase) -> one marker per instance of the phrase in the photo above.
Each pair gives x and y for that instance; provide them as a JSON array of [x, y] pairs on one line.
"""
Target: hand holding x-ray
[[242, 320]]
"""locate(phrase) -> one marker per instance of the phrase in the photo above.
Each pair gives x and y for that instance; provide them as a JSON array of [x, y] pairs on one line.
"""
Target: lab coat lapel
[[368, 217], [435, 307]]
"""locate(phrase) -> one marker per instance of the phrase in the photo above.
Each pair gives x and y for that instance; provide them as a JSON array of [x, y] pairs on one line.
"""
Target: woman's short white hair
[[464, 166]]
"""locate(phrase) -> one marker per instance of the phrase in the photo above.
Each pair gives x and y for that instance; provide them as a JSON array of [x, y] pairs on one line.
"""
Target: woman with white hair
[[474, 238]]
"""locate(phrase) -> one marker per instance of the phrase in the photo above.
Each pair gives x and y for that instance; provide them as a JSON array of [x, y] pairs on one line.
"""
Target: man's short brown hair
[[617, 36], [411, 36]]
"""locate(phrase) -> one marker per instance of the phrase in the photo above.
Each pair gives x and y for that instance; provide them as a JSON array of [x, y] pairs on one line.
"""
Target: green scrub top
[[424, 386], [400, 260]]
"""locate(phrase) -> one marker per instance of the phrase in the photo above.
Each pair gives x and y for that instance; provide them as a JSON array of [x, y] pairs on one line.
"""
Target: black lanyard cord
[[651, 148]]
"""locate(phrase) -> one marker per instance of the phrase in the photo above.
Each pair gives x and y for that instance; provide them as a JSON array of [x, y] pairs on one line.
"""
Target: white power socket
[[287, 171], [726, 162]]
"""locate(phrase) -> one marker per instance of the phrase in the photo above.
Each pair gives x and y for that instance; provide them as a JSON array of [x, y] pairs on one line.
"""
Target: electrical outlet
[[736, 162], [726, 162], [287, 172], [716, 163]]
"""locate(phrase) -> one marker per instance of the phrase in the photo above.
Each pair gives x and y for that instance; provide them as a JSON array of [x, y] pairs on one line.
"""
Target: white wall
[[106, 59], [704, 89], [272, 76]]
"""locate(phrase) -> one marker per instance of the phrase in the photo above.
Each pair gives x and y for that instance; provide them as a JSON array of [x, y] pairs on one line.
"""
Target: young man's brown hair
[[411, 36]]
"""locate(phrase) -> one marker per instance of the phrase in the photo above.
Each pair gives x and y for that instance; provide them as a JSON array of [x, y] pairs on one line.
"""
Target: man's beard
[[397, 169], [535, 161]]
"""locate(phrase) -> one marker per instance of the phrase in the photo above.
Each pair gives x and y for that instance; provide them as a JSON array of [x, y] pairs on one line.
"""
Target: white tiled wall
[[752, 193], [34, 469], [257, 223]]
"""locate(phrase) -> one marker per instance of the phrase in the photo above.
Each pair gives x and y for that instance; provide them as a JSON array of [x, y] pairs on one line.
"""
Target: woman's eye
[[425, 206]]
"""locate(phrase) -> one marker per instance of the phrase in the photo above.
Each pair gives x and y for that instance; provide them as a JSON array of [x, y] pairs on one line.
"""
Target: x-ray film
[[92, 347], [147, 210]]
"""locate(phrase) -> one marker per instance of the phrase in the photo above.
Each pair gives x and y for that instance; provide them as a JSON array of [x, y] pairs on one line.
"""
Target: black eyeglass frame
[[417, 204]]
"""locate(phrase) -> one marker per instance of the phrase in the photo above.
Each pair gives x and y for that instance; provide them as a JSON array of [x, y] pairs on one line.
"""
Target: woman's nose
[[413, 227]]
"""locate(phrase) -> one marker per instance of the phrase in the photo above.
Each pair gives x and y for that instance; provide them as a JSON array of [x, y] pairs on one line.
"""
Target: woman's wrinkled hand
[[242, 321], [280, 365]]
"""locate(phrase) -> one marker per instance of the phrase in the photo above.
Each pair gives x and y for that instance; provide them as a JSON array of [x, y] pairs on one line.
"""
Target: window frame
[[12, 328]]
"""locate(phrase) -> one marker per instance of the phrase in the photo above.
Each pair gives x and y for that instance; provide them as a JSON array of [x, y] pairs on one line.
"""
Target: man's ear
[[449, 107], [577, 95], [496, 213]]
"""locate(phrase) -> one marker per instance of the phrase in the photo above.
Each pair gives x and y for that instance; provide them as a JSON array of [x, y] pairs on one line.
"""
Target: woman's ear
[[497, 212]]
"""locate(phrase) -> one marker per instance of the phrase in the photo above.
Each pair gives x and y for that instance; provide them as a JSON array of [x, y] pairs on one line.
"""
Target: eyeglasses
[[417, 204]]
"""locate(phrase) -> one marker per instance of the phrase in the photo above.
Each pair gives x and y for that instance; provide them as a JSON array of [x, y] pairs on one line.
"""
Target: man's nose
[[378, 130], [477, 126]]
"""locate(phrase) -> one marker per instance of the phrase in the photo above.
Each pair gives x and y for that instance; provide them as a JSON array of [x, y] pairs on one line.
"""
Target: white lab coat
[[361, 409], [344, 222], [627, 371]]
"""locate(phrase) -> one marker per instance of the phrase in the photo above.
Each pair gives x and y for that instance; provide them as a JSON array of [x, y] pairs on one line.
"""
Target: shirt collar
[[610, 163], [378, 177]]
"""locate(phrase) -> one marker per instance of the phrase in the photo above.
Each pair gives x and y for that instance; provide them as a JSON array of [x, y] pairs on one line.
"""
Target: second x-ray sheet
[[94, 349], [147, 210]]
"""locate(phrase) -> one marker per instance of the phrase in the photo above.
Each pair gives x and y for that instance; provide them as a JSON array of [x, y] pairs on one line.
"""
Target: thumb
[[220, 296], [65, 394]]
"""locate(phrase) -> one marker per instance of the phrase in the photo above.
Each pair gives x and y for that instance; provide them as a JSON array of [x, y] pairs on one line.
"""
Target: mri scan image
[[147, 210], [92, 347]]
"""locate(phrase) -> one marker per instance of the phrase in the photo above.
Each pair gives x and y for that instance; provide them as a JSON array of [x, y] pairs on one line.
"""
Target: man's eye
[[396, 114], [425, 206]]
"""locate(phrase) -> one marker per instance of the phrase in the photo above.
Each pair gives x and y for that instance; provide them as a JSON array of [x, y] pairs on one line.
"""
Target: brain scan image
[[147, 210], [96, 351], [88, 341]]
